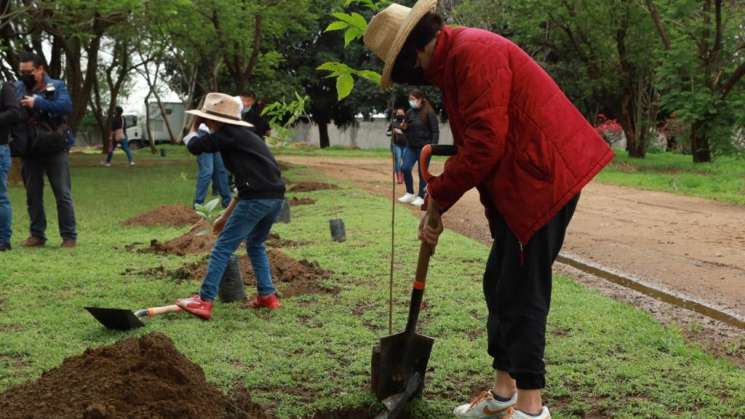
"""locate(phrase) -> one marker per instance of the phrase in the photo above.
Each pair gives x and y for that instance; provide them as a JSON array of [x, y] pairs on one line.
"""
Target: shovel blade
[[396, 359], [115, 318]]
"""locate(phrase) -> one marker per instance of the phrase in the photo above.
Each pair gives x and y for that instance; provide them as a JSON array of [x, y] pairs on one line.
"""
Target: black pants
[[57, 169], [517, 287]]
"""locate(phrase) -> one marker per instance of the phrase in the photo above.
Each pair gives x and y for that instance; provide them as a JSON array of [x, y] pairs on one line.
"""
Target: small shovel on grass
[[123, 319]]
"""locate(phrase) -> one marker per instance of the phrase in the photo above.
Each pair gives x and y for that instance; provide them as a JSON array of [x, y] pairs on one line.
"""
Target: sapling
[[209, 212]]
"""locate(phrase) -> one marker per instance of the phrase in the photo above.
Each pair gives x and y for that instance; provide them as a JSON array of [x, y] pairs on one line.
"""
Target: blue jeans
[[212, 168], [398, 156], [411, 156], [57, 169], [251, 221], [124, 144], [6, 212]]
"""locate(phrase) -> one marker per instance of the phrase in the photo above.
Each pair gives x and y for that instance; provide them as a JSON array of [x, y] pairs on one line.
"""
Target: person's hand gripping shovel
[[399, 362]]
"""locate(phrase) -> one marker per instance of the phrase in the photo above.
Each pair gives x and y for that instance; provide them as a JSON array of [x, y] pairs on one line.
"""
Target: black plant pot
[[338, 233], [284, 213], [232, 288]]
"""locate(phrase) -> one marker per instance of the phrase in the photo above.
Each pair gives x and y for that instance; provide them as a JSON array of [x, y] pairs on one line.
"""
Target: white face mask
[[414, 104]]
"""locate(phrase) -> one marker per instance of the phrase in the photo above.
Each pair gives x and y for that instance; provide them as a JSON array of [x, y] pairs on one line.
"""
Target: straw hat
[[221, 108], [387, 32]]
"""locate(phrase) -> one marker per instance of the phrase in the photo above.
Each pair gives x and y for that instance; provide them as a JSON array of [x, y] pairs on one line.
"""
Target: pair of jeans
[[6, 212], [410, 157], [212, 169], [517, 288], [398, 156], [57, 169], [251, 221], [124, 144]]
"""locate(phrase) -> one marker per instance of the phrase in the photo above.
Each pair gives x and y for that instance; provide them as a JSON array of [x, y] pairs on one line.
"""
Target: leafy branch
[[354, 26]]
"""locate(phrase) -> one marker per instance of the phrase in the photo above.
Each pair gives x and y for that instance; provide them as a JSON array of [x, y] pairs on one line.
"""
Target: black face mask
[[29, 81], [399, 118], [405, 70]]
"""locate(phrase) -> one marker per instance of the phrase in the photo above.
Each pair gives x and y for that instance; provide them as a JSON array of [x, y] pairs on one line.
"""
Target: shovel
[[122, 319], [399, 362]]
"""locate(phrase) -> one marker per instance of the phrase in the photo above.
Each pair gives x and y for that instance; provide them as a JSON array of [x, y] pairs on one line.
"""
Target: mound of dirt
[[142, 377], [301, 201], [275, 241], [168, 215], [311, 186], [199, 239], [290, 276]]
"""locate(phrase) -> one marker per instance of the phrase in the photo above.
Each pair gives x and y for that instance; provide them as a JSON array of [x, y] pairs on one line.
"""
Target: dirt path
[[693, 247]]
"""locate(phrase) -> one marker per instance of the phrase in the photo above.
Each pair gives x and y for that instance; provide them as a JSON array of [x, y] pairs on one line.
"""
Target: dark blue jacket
[[52, 104]]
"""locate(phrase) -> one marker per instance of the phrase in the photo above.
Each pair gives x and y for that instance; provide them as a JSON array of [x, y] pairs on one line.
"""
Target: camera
[[49, 91]]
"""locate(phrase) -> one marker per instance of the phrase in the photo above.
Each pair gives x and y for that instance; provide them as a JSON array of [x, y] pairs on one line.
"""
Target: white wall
[[367, 135]]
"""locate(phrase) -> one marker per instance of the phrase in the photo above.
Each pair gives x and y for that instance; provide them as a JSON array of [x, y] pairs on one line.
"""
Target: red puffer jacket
[[520, 141]]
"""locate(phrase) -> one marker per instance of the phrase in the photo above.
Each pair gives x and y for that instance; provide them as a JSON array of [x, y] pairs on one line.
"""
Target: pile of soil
[[311, 186], [275, 241], [168, 215], [301, 201], [142, 377], [199, 239], [290, 276]]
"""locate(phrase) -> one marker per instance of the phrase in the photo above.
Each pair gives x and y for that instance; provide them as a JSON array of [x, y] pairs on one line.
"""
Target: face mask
[[414, 104], [28, 80], [399, 118]]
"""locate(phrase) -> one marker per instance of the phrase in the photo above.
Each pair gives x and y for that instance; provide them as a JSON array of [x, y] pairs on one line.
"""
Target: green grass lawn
[[723, 180], [604, 358]]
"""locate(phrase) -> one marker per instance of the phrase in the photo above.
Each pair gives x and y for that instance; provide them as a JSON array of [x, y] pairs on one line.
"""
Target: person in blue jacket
[[48, 104]]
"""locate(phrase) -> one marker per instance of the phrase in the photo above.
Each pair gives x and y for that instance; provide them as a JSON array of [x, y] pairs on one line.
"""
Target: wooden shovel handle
[[154, 311]]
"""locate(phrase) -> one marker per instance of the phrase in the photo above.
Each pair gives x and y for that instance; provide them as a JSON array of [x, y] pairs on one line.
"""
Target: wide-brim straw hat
[[388, 30], [221, 108]]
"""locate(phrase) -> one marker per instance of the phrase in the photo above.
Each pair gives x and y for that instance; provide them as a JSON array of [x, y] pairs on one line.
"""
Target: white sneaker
[[132, 163], [418, 202], [408, 198], [105, 163], [486, 406], [517, 414]]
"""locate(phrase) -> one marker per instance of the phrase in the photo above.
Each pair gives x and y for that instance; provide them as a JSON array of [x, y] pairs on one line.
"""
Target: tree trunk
[[700, 144], [323, 132], [148, 130]]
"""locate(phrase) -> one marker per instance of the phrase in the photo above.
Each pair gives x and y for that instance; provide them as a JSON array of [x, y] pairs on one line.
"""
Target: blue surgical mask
[[414, 104]]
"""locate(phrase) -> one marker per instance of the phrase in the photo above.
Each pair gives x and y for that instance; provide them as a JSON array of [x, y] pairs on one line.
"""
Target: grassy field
[[604, 358], [723, 180]]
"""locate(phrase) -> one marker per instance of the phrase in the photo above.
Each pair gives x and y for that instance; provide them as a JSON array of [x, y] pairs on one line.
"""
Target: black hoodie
[[247, 157]]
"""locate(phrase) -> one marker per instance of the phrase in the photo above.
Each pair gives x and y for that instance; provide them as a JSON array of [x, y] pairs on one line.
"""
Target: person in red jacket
[[527, 150]]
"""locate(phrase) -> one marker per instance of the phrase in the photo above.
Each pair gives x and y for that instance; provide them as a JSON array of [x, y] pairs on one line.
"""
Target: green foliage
[[209, 211], [354, 25], [283, 115]]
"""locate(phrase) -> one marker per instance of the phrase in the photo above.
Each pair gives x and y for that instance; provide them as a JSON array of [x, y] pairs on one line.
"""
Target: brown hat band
[[222, 115]]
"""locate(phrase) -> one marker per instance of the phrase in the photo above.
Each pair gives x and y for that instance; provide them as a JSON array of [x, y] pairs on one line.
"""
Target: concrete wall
[[367, 135]]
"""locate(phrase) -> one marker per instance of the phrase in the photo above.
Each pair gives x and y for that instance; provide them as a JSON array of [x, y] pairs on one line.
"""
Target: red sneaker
[[196, 306], [266, 301]]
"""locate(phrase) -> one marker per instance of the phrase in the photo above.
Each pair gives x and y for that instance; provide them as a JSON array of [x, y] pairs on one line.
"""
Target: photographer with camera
[[48, 143]]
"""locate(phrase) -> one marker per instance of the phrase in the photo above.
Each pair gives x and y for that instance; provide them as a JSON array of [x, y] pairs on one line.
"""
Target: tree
[[702, 67], [608, 44]]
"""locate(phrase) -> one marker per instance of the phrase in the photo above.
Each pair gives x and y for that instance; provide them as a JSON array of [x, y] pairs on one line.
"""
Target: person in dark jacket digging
[[251, 214], [527, 150]]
